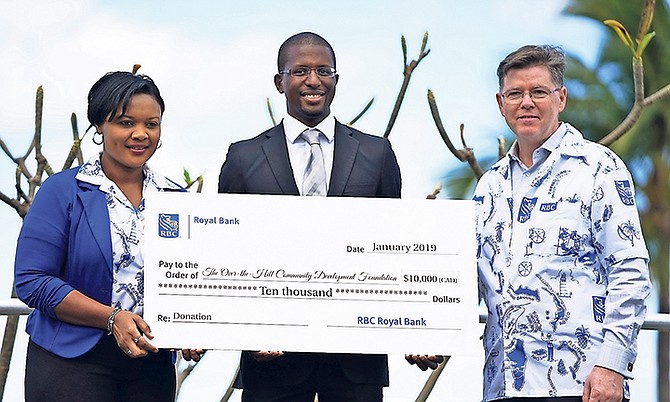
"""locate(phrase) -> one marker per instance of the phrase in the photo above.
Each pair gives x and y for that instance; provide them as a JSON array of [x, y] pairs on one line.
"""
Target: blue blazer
[[64, 244]]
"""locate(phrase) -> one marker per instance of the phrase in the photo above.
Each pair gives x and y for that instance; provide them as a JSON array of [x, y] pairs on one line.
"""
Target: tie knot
[[311, 135]]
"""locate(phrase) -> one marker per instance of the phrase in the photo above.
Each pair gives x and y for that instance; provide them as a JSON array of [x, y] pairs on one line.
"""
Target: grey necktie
[[314, 180]]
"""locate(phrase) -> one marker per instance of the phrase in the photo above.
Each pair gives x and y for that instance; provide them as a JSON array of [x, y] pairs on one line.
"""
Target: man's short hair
[[549, 56], [302, 38]]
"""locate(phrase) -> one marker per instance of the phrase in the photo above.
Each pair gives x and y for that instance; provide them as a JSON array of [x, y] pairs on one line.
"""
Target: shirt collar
[[552, 143], [293, 128], [549, 145], [91, 172]]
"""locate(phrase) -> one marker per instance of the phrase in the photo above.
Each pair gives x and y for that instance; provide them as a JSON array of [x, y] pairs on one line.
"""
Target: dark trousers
[[327, 381], [104, 374]]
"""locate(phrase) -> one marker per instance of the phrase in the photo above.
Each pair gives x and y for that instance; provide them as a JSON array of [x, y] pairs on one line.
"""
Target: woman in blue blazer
[[79, 260]]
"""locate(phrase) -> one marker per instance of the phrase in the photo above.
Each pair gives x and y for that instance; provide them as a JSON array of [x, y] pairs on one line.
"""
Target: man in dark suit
[[282, 161]]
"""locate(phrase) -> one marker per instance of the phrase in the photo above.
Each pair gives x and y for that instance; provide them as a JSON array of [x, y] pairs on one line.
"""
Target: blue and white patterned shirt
[[562, 267], [127, 230]]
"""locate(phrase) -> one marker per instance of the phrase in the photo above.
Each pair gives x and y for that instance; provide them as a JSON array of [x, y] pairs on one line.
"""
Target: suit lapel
[[276, 154], [95, 210], [346, 148]]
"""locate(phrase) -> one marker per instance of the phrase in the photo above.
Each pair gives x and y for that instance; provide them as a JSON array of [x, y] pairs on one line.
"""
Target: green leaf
[[643, 43], [187, 177]]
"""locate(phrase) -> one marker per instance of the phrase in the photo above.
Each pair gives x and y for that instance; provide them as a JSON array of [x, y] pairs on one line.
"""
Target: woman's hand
[[132, 334]]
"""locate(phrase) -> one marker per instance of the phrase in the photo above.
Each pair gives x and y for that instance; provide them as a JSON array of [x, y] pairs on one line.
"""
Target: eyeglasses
[[300, 72], [515, 96]]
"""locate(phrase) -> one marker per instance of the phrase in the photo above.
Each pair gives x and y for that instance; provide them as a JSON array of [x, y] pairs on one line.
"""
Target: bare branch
[[501, 147], [636, 110], [198, 180], [22, 202], [39, 107], [432, 380], [36, 180], [22, 169], [39, 98], [272, 117], [358, 116], [15, 204], [6, 352], [6, 150], [75, 149], [469, 155], [436, 191], [440, 127], [75, 137], [645, 19], [461, 128], [640, 102], [658, 95], [231, 386], [407, 72], [464, 155], [472, 161]]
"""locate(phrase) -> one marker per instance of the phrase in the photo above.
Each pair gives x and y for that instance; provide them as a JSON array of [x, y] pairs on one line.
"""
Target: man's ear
[[279, 79], [499, 100], [563, 97]]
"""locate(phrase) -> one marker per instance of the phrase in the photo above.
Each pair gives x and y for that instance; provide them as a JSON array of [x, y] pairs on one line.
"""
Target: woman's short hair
[[114, 90]]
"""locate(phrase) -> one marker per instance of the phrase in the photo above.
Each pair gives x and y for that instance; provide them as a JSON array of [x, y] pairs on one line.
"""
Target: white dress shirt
[[299, 150], [127, 232]]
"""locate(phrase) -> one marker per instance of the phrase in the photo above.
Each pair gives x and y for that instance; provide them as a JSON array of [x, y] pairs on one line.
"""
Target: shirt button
[[629, 367]]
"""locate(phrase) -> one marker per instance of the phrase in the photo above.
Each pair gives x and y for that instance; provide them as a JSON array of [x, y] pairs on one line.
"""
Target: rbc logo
[[625, 191], [168, 225]]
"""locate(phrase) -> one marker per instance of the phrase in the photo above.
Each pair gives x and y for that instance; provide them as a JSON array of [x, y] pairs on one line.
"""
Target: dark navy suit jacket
[[363, 166]]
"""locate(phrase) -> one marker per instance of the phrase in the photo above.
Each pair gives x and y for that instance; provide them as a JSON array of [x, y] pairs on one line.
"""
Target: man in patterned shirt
[[561, 258]]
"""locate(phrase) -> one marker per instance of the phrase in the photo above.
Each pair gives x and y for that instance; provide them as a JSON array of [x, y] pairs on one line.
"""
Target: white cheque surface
[[311, 274]]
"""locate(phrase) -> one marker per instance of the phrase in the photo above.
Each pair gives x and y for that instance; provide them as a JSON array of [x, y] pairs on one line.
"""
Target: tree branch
[[656, 96], [358, 116], [407, 72], [436, 191], [75, 150], [6, 150], [272, 116], [11, 202], [635, 111], [464, 155], [440, 127], [432, 380]]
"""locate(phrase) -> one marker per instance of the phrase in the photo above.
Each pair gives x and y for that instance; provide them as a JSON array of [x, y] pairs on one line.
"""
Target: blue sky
[[214, 62]]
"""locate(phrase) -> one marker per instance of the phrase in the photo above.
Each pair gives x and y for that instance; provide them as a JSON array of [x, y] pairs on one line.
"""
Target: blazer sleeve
[[230, 178], [42, 248], [391, 182]]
